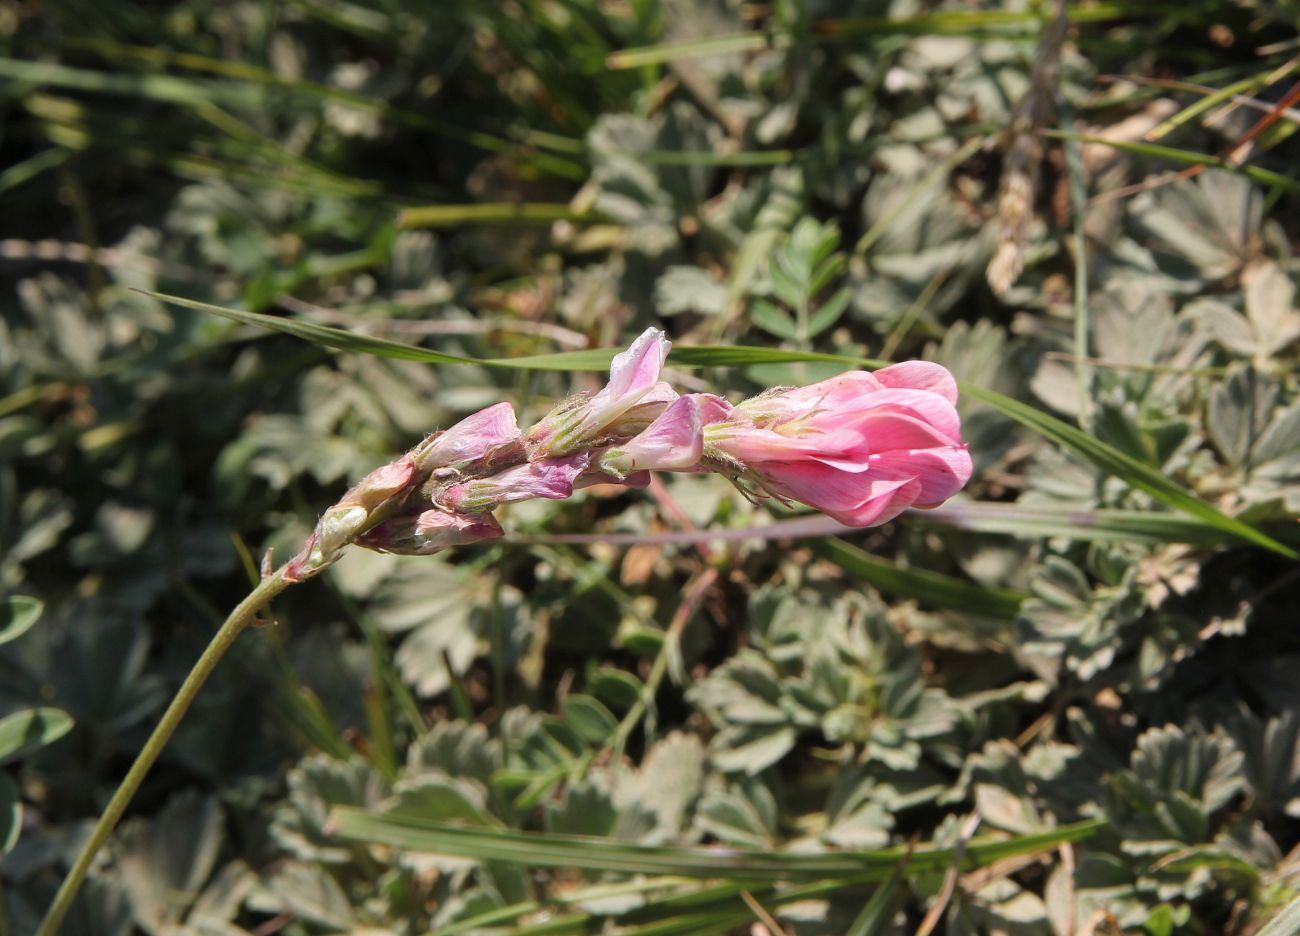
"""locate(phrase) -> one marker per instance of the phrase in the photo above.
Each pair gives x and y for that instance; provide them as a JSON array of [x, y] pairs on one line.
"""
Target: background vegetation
[[1079, 678]]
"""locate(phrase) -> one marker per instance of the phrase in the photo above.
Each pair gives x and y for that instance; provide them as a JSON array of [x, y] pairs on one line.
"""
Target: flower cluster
[[860, 447]]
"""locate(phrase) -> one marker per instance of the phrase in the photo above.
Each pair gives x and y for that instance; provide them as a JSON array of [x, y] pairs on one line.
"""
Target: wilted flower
[[860, 447], [631, 400]]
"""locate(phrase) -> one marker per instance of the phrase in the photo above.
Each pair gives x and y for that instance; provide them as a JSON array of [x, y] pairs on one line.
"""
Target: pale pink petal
[[470, 438], [636, 370], [551, 478], [881, 509], [886, 429], [750, 445], [920, 375], [381, 484], [674, 440]]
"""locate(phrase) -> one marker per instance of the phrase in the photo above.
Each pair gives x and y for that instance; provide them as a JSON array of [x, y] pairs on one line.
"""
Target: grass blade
[[1187, 158], [602, 854], [1286, 923], [944, 23], [880, 909], [1133, 526], [435, 216], [929, 588], [1124, 466]]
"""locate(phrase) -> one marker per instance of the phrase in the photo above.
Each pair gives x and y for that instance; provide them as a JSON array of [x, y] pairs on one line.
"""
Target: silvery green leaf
[[743, 814], [17, 615], [1204, 227], [166, 860], [317, 785], [1269, 295], [310, 892], [670, 780], [689, 289], [11, 814], [457, 749], [1240, 409]]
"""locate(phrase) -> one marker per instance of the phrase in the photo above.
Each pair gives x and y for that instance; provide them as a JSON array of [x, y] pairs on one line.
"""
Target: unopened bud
[[547, 477], [430, 531]]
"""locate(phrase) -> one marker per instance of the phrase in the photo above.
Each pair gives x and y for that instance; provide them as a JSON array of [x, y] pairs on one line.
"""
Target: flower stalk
[[859, 447], [222, 641]]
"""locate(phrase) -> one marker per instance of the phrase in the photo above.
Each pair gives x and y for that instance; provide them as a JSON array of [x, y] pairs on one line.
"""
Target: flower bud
[[673, 442], [551, 478], [366, 503], [631, 400], [430, 531], [472, 439]]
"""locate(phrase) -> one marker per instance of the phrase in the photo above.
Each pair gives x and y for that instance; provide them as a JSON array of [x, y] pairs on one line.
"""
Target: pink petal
[[828, 489], [886, 429], [637, 369], [920, 375], [381, 484], [674, 440], [470, 438], [751, 445], [925, 406], [942, 472], [551, 478]]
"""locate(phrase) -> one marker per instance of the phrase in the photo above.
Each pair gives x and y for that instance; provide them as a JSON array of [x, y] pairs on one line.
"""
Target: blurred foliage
[[862, 177]]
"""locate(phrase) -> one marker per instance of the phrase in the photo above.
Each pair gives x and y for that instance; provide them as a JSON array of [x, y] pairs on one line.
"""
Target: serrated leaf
[[1240, 409], [165, 860], [17, 615], [308, 891], [31, 729], [1270, 306]]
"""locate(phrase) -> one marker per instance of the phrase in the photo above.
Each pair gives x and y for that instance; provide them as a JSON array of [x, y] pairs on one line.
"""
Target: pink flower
[[551, 478], [673, 442], [860, 447], [430, 531], [630, 401], [470, 440]]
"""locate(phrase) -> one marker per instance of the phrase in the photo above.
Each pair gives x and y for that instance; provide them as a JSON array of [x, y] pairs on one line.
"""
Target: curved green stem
[[108, 820]]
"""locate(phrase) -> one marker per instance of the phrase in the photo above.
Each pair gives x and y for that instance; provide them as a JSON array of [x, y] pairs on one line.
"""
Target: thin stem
[[240, 618]]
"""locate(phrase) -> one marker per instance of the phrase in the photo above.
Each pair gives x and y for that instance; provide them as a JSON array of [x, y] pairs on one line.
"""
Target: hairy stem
[[240, 618]]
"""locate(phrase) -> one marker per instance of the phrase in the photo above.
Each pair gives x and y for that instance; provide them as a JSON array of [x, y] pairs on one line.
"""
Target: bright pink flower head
[[630, 401], [860, 447]]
